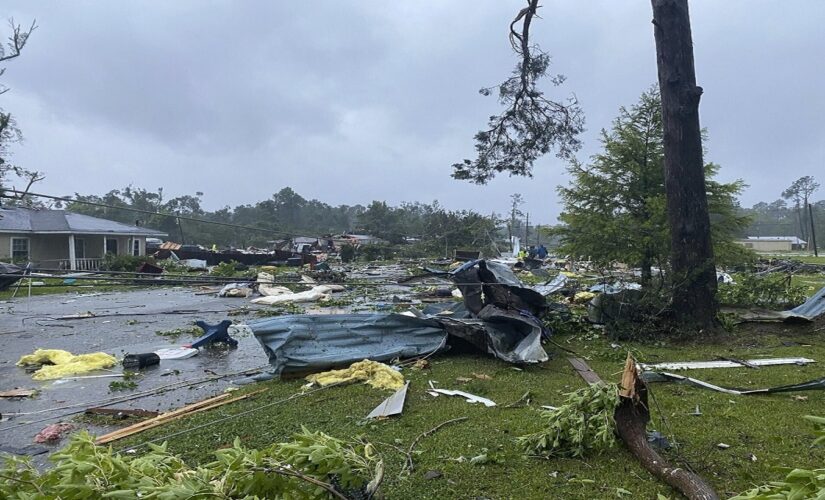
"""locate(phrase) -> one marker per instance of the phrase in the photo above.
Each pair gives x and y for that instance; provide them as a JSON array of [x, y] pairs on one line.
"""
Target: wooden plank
[[206, 404], [584, 370]]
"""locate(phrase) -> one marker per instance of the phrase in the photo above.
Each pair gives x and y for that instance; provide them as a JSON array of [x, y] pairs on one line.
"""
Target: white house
[[773, 243]]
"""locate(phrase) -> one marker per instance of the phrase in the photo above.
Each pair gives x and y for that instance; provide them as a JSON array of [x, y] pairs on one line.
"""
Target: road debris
[[57, 363], [372, 373], [53, 433], [393, 405]]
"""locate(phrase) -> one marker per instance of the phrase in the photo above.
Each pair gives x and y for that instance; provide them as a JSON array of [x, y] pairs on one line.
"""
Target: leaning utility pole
[[693, 269]]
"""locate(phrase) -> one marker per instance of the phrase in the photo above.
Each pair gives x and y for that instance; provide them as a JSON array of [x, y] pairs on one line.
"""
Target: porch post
[[72, 256]]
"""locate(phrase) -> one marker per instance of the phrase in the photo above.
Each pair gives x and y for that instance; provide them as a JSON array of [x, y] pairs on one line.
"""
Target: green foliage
[[224, 269], [174, 333], [615, 208], [122, 385], [347, 253], [531, 124], [280, 310], [83, 470], [129, 263], [583, 423], [798, 483], [771, 291], [376, 251]]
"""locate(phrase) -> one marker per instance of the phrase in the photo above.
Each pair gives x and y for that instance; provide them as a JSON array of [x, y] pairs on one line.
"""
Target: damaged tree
[[531, 124], [692, 262], [632, 416], [9, 132]]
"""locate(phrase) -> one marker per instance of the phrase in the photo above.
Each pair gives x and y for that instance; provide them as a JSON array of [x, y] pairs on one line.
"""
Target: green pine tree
[[615, 207]]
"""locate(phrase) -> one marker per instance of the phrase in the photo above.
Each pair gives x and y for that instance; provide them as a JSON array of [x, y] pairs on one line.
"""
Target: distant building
[[65, 240], [773, 243]]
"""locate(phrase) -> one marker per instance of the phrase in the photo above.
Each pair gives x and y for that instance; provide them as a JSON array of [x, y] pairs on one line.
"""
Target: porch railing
[[89, 264]]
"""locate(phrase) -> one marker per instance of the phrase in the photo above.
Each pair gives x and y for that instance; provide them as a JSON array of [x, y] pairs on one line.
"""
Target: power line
[[149, 212]]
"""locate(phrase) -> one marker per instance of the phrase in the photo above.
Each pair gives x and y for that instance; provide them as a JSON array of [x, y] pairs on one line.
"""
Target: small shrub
[[224, 269], [128, 263], [347, 253]]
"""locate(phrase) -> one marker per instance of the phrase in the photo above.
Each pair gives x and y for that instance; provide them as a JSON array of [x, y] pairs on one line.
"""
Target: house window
[[79, 248], [19, 249], [136, 247], [111, 245]]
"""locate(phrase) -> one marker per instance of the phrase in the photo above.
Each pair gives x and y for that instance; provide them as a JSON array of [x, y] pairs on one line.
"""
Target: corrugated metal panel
[[311, 343]]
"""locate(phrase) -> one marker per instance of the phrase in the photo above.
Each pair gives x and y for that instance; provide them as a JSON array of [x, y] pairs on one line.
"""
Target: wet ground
[[124, 322], [127, 322]]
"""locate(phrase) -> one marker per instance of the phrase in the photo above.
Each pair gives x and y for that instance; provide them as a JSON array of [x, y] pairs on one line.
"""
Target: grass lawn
[[764, 432]]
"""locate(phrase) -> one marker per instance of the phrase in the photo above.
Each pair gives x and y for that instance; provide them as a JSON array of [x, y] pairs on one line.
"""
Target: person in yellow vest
[[522, 255]]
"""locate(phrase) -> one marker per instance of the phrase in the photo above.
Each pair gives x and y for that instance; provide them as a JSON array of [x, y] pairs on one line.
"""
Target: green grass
[[80, 286], [768, 427], [810, 259]]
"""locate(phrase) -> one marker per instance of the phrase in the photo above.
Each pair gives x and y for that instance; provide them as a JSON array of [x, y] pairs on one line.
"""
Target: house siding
[[766, 245], [48, 250]]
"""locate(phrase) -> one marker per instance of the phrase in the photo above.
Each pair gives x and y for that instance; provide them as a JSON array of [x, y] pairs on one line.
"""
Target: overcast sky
[[350, 101]]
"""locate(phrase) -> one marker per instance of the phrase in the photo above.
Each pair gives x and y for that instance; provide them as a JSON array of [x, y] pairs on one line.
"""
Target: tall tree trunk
[[692, 262]]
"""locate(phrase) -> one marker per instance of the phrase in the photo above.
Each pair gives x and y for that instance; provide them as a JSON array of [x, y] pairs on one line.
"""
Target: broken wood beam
[[164, 418], [632, 416], [583, 369]]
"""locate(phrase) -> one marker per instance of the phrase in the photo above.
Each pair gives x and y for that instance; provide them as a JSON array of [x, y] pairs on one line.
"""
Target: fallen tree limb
[[410, 466], [632, 416]]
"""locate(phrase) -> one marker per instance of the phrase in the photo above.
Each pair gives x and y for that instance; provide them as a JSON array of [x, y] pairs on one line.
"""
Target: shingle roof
[[26, 220]]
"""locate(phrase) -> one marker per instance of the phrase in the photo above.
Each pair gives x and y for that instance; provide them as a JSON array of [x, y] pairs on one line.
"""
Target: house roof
[[27, 220], [793, 239]]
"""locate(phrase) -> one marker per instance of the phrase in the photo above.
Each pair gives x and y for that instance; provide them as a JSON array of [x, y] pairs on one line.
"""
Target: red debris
[[52, 433]]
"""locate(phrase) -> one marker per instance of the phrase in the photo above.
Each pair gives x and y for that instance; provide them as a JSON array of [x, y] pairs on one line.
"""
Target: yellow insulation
[[375, 374], [58, 363]]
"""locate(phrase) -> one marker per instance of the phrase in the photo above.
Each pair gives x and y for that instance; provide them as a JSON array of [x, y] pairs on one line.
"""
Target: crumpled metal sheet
[[483, 282], [311, 343], [508, 335], [809, 311], [812, 308]]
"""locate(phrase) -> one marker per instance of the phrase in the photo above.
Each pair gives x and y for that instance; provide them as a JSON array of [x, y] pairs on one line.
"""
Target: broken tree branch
[[410, 466], [632, 416]]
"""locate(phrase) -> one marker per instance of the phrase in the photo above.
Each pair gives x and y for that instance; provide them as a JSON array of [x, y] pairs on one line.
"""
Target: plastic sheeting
[[311, 343]]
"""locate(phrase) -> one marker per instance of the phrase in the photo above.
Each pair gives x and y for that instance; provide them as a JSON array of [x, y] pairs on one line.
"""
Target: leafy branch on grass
[[312, 465], [583, 423]]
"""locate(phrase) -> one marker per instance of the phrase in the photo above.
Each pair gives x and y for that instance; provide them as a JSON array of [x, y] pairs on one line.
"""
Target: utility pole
[[527, 230], [813, 231], [180, 228]]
